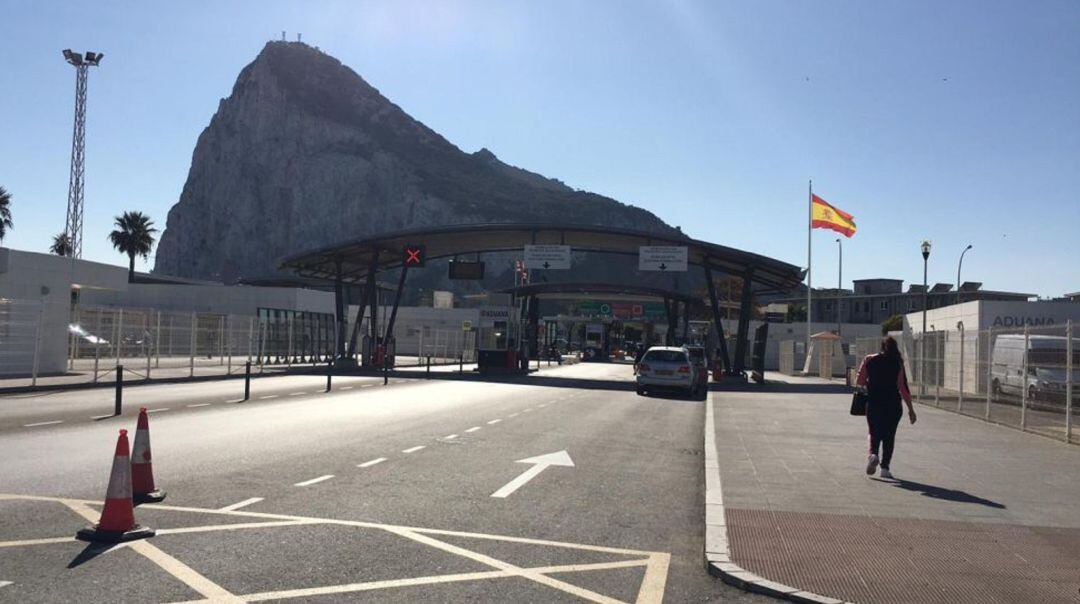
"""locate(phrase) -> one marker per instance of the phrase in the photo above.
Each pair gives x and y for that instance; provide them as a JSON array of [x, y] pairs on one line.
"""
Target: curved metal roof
[[459, 240]]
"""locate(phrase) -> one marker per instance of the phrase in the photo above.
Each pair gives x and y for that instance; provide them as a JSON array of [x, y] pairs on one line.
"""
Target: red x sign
[[413, 255]]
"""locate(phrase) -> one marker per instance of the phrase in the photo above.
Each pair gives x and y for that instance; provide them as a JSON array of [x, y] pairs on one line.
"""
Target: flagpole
[[809, 230]]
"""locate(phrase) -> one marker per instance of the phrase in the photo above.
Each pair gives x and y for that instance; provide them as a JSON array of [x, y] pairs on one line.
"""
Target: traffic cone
[[142, 470], [117, 522]]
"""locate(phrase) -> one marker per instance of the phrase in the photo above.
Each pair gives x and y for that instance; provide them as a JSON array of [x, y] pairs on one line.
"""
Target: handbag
[[858, 402]]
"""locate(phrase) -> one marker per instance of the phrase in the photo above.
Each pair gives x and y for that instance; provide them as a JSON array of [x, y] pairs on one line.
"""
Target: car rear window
[[698, 354], [665, 356]]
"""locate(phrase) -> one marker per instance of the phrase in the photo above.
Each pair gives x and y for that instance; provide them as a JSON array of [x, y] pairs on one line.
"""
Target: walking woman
[[886, 385]]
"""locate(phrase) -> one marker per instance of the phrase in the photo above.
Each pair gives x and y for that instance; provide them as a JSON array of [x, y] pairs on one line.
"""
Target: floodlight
[[73, 57]]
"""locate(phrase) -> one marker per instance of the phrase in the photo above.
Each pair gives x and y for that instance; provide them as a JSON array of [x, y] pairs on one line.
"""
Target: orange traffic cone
[[142, 470], [117, 522]]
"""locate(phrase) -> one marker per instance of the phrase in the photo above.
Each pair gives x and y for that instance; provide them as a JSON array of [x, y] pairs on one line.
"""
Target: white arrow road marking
[[540, 463]]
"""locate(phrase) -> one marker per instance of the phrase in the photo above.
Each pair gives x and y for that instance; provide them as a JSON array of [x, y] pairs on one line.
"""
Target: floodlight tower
[[73, 226]]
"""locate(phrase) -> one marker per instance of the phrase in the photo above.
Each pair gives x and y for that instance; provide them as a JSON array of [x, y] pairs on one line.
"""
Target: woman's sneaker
[[885, 473], [871, 464]]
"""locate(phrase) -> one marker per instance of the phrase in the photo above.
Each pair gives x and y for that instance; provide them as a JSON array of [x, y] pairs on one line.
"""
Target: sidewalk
[[978, 512]]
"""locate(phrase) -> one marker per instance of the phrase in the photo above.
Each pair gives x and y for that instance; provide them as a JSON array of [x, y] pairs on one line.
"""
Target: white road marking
[[57, 421], [199, 405], [314, 480], [268, 396], [450, 437], [368, 464], [235, 400], [297, 393], [527, 410], [157, 410], [346, 387], [414, 449], [5, 583], [473, 429], [513, 415], [540, 463], [102, 416], [494, 421], [367, 385], [244, 503]]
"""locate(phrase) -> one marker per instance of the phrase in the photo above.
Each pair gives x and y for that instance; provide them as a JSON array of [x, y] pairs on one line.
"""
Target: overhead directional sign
[[540, 463], [664, 258], [555, 257]]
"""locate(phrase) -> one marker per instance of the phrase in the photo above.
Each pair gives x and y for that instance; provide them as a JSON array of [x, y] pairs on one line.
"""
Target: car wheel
[[641, 392], [1033, 394], [702, 393], [995, 386]]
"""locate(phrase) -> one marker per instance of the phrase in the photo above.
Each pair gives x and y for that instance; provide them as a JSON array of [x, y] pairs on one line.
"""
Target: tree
[[893, 323], [5, 213], [134, 236], [61, 245]]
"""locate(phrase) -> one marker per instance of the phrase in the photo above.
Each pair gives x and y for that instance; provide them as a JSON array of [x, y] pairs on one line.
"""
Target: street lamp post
[[925, 247], [839, 283], [958, 266]]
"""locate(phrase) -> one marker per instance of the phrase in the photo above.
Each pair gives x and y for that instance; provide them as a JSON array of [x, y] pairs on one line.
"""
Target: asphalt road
[[406, 492]]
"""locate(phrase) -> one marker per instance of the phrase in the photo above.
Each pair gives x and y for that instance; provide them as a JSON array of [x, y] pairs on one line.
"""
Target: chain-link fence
[[20, 330], [1024, 377]]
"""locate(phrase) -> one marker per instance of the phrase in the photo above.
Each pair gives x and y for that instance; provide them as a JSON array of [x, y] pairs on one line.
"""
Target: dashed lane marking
[[56, 421], [494, 421], [450, 437], [368, 464], [346, 387], [414, 449], [473, 429], [512, 415], [367, 385], [268, 396], [297, 393], [314, 480], [244, 503], [157, 410], [199, 405], [527, 410], [5, 583]]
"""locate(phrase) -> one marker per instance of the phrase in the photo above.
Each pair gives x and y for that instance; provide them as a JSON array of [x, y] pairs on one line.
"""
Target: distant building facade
[[875, 300]]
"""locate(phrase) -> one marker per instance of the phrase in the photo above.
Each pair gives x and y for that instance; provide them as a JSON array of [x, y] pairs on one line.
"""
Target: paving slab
[[977, 512]]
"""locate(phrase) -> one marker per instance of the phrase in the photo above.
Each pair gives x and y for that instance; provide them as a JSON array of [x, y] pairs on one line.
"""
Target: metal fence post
[[251, 335], [989, 369], [119, 334], [960, 395], [1024, 380], [194, 342], [939, 346], [37, 342], [97, 356], [149, 348], [1068, 379], [157, 342], [228, 331], [221, 340], [288, 356], [247, 380], [119, 389]]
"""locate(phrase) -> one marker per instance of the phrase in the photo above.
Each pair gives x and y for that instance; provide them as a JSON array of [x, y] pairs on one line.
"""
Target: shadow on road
[[935, 492], [91, 551]]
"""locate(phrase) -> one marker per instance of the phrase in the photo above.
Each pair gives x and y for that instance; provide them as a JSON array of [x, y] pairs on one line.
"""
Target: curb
[[717, 551]]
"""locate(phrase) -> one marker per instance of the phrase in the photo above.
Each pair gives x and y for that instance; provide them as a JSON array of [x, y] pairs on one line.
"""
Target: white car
[[668, 368]]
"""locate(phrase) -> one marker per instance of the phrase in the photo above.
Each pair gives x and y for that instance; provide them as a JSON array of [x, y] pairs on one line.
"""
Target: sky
[[957, 122]]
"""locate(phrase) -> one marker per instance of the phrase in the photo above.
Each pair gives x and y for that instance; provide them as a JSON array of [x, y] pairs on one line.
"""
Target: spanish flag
[[825, 216]]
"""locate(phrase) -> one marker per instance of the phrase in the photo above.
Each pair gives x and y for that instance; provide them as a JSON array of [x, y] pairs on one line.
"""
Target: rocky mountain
[[305, 153]]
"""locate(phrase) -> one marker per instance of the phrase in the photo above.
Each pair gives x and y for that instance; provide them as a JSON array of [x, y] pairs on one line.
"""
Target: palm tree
[[5, 213], [61, 245], [133, 236]]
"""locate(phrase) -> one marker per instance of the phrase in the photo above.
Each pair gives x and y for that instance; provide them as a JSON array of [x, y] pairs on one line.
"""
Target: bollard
[[385, 373], [329, 374], [461, 362], [119, 389], [247, 380], [429, 365]]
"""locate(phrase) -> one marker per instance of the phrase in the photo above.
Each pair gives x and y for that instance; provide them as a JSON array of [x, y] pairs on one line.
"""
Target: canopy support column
[[724, 358], [339, 312], [686, 322], [397, 300], [743, 338]]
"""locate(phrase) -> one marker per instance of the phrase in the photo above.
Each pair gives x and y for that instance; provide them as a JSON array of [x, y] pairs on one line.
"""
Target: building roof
[[356, 257]]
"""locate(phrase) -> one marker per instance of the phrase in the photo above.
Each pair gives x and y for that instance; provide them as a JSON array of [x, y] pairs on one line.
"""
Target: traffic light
[[414, 256]]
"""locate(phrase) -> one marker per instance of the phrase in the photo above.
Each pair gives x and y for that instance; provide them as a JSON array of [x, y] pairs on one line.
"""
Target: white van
[[1045, 361]]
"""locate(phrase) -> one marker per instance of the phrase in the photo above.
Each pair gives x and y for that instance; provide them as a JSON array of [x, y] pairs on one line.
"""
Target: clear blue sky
[[954, 121]]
